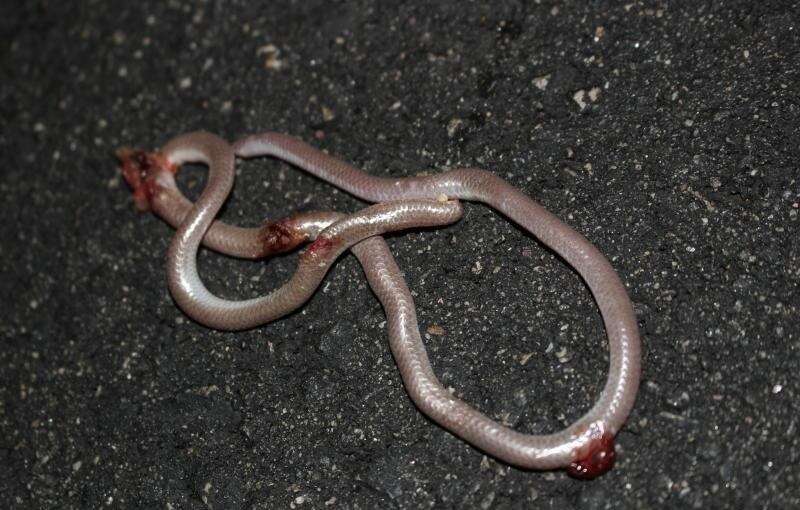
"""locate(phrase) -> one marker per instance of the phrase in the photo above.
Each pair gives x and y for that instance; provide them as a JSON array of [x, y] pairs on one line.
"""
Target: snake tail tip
[[594, 459]]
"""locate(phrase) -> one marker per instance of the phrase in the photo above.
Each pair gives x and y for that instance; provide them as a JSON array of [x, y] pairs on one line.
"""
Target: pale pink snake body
[[585, 447]]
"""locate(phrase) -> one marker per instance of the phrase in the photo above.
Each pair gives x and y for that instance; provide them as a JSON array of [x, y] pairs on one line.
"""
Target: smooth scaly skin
[[151, 177], [586, 447], [200, 304]]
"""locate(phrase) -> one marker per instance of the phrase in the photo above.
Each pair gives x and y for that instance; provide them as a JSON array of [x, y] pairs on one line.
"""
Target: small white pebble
[[578, 98], [477, 268], [541, 82]]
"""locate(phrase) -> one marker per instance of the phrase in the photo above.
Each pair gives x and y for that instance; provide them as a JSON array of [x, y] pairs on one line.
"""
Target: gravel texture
[[666, 132]]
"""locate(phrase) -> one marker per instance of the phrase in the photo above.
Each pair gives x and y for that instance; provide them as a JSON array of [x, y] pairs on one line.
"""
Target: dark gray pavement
[[666, 132]]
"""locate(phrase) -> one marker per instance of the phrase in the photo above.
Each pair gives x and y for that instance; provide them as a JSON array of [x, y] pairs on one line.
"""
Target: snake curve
[[585, 448]]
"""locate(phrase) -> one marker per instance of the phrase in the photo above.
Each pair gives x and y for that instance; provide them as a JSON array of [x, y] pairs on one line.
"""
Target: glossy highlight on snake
[[585, 448]]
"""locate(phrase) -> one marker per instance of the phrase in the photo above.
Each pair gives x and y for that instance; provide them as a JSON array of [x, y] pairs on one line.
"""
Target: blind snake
[[585, 448]]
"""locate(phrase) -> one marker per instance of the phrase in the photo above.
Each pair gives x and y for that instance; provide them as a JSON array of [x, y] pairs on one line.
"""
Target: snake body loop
[[585, 448]]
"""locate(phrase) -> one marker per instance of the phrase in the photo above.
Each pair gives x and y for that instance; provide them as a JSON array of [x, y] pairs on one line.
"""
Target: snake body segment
[[585, 448]]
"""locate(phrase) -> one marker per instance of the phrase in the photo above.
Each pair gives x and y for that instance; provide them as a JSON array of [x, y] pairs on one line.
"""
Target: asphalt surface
[[667, 133]]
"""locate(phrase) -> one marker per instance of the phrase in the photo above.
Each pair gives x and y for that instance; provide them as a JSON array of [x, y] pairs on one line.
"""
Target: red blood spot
[[140, 168], [321, 247], [280, 236], [594, 459]]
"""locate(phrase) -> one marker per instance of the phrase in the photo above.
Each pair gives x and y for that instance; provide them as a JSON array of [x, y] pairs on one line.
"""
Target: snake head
[[140, 169]]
